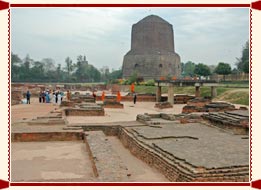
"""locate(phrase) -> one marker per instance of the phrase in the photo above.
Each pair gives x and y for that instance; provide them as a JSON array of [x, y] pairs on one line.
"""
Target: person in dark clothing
[[28, 95], [43, 96], [94, 95], [56, 96], [40, 97], [134, 98]]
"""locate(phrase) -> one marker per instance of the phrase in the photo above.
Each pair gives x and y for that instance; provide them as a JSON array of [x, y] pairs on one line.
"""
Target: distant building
[[152, 53]]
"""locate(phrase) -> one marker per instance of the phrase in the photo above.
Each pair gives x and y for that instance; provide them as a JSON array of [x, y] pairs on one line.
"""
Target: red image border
[[254, 184]]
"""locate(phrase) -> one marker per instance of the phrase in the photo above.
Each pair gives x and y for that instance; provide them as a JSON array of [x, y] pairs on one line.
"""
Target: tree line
[[29, 70], [192, 69]]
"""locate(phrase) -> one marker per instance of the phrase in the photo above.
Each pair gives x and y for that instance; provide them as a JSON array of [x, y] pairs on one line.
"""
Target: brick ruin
[[152, 53], [186, 147], [111, 102], [206, 105], [236, 121], [163, 105], [85, 110], [158, 140]]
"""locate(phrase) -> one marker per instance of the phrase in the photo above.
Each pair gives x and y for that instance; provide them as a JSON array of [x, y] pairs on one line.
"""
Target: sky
[[201, 35]]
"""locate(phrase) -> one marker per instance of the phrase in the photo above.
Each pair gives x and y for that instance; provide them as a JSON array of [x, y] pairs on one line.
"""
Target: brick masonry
[[152, 53]]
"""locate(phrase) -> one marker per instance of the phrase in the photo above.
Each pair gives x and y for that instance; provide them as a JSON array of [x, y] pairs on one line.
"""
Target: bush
[[150, 83]]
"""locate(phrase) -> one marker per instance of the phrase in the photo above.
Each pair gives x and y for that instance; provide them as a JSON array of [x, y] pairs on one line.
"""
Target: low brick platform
[[207, 106], [46, 136], [78, 98], [234, 121], [67, 104], [163, 105], [190, 152], [87, 111], [47, 120], [107, 165], [113, 104]]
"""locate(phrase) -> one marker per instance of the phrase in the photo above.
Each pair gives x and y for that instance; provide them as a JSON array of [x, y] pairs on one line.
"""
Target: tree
[[49, 64], [223, 69], [243, 62], [188, 69], [69, 66], [15, 60], [202, 70]]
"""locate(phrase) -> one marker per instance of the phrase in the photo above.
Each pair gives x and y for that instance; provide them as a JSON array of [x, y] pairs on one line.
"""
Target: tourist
[[59, 98], [94, 95], [54, 98], [68, 95], [47, 97], [28, 95], [40, 97], [43, 96], [134, 98], [50, 96], [62, 95]]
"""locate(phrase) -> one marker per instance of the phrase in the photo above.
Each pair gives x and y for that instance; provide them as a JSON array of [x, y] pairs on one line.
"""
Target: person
[[50, 96], [132, 87], [103, 96], [54, 98], [118, 96], [40, 97], [62, 95], [94, 95], [59, 98], [134, 98], [43, 96], [68, 95], [28, 95], [47, 97]]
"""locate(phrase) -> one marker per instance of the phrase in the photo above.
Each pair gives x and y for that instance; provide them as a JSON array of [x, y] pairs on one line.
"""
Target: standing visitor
[[54, 98], [118, 96], [40, 97], [50, 96], [134, 98], [62, 95], [43, 96], [59, 98], [47, 98], [68, 95], [94, 95], [103, 96], [28, 95]]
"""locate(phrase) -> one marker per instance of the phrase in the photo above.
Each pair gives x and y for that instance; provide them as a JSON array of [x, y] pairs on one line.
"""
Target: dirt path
[[140, 171], [28, 111]]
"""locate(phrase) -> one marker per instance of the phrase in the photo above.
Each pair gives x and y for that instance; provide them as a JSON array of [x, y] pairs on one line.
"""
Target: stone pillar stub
[[158, 94], [213, 91], [171, 94]]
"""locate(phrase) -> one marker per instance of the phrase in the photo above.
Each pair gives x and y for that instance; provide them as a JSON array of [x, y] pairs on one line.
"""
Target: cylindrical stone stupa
[[152, 53]]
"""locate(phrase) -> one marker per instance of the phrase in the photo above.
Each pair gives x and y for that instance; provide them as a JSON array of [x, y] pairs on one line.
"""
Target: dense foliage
[[28, 70], [243, 62]]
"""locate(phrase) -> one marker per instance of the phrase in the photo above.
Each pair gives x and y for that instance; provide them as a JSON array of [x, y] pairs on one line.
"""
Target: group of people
[[118, 96], [54, 97]]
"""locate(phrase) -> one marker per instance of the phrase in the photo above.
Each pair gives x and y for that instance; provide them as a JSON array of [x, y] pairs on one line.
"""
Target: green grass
[[234, 95]]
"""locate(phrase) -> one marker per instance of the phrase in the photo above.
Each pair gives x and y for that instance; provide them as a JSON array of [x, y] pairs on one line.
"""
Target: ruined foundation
[[112, 104]]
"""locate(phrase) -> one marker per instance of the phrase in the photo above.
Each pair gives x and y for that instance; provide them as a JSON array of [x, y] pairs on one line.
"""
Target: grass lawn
[[235, 95]]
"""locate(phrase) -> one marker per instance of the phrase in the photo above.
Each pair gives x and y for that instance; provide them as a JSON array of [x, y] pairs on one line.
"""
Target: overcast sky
[[206, 35]]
